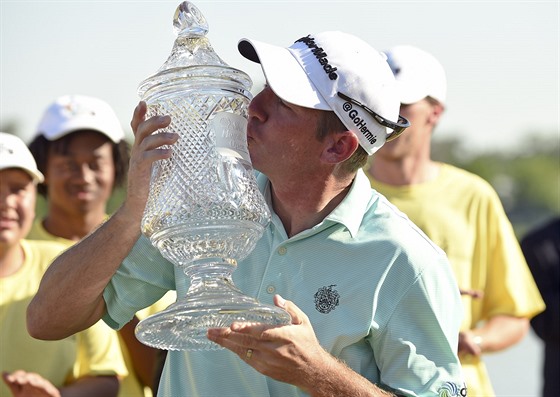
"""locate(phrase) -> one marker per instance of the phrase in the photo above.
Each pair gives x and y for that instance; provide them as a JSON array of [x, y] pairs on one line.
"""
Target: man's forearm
[[501, 332], [70, 296], [336, 379]]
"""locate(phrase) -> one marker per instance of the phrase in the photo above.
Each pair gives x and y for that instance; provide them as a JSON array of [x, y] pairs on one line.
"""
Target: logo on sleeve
[[326, 299], [450, 389]]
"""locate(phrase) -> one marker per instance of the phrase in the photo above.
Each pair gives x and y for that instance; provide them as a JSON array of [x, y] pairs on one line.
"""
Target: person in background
[[541, 247], [462, 214], [80, 146], [374, 305], [81, 149], [87, 364]]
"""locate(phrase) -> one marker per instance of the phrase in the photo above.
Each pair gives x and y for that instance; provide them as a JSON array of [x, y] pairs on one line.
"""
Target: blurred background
[[502, 120]]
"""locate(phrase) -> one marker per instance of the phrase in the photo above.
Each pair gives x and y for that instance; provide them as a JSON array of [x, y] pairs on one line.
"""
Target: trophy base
[[183, 325]]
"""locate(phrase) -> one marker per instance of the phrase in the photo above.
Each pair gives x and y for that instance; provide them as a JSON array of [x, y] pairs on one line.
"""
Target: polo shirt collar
[[349, 212]]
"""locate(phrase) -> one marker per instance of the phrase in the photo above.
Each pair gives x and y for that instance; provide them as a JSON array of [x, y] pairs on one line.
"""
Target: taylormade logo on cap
[[321, 55]]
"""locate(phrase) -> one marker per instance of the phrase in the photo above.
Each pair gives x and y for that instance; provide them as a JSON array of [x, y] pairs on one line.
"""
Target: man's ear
[[340, 146], [437, 111]]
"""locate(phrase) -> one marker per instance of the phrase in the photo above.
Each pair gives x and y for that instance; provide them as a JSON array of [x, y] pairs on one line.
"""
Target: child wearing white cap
[[30, 366], [462, 214], [374, 305], [80, 147]]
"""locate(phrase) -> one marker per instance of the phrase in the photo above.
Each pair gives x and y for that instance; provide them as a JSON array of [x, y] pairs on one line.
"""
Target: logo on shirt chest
[[326, 299]]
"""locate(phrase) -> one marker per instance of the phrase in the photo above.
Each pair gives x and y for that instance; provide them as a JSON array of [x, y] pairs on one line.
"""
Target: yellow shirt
[[130, 385], [38, 232], [92, 352], [462, 214]]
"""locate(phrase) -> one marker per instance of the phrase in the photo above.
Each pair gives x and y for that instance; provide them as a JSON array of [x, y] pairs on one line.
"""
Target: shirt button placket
[[271, 289]]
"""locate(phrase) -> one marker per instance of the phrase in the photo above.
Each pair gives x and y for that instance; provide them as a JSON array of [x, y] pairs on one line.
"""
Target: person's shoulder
[[452, 171], [45, 249], [46, 246], [395, 228], [466, 180], [40, 253], [38, 232]]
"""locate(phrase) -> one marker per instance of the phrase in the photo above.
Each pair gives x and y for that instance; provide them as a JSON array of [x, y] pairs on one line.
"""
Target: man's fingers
[[138, 115], [142, 127], [472, 293], [157, 140], [149, 126], [298, 316], [151, 144]]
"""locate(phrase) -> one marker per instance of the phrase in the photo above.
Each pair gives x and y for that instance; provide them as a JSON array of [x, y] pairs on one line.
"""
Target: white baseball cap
[[339, 72], [71, 113], [14, 153], [419, 74]]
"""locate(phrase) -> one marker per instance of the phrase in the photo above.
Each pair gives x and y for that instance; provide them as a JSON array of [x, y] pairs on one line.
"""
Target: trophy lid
[[192, 55]]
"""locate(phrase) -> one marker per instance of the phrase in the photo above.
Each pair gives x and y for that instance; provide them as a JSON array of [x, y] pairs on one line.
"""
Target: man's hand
[[288, 353], [292, 354], [59, 309], [472, 293], [498, 333], [469, 343], [144, 152], [29, 384]]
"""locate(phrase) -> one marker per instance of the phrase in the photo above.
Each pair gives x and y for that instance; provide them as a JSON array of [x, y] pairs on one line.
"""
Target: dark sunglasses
[[398, 127]]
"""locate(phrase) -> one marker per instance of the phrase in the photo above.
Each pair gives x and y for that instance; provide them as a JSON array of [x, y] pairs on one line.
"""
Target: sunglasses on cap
[[398, 127]]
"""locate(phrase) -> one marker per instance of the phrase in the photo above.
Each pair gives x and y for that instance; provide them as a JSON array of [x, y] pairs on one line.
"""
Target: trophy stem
[[208, 276], [211, 301]]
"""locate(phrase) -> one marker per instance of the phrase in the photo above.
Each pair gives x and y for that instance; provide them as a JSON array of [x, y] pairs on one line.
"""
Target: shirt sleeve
[[417, 350], [141, 280], [510, 287]]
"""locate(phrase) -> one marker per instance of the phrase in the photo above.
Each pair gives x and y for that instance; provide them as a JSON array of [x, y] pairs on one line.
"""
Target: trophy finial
[[189, 21]]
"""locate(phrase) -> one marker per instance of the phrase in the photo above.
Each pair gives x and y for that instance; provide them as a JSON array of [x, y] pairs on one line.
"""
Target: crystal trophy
[[204, 211]]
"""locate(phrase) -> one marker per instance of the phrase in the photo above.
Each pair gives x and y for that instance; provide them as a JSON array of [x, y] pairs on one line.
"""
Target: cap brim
[[283, 74], [36, 175], [77, 124]]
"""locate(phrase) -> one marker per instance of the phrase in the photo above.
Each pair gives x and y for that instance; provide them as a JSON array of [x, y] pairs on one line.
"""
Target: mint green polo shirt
[[380, 295]]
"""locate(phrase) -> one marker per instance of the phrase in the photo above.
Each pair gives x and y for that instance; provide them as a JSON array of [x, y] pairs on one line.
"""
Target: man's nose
[[257, 107]]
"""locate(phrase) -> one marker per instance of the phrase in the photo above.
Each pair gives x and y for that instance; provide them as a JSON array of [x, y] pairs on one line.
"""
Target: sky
[[501, 57]]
